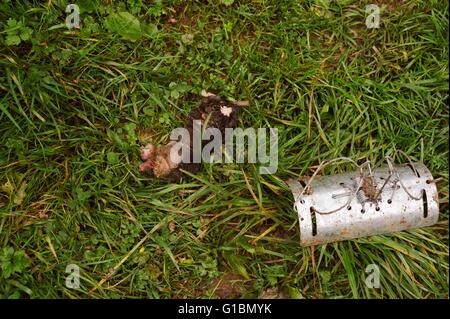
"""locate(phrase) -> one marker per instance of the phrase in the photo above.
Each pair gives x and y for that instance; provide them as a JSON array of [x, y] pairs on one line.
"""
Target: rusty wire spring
[[388, 159], [360, 196], [358, 192]]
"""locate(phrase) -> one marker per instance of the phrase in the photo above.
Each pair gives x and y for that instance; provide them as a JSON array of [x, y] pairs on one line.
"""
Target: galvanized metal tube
[[333, 208]]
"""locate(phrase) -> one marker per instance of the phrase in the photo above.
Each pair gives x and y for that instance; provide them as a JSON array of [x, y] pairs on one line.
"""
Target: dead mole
[[213, 112]]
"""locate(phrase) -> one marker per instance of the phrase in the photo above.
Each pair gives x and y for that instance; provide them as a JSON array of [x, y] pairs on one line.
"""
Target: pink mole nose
[[146, 166]]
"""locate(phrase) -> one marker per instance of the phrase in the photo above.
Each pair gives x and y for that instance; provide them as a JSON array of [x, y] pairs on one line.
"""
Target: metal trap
[[365, 202]]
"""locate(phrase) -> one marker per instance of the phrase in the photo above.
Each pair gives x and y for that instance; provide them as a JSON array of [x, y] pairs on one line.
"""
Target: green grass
[[74, 103]]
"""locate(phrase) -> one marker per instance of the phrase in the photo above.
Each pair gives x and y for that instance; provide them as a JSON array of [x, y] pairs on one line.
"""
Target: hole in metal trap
[[413, 169], [313, 221], [425, 203]]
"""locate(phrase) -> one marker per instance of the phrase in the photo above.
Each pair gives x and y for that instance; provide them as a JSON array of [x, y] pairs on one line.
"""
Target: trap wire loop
[[364, 202]]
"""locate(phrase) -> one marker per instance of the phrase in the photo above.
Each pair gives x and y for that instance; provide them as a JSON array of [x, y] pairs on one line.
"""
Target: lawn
[[76, 104]]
